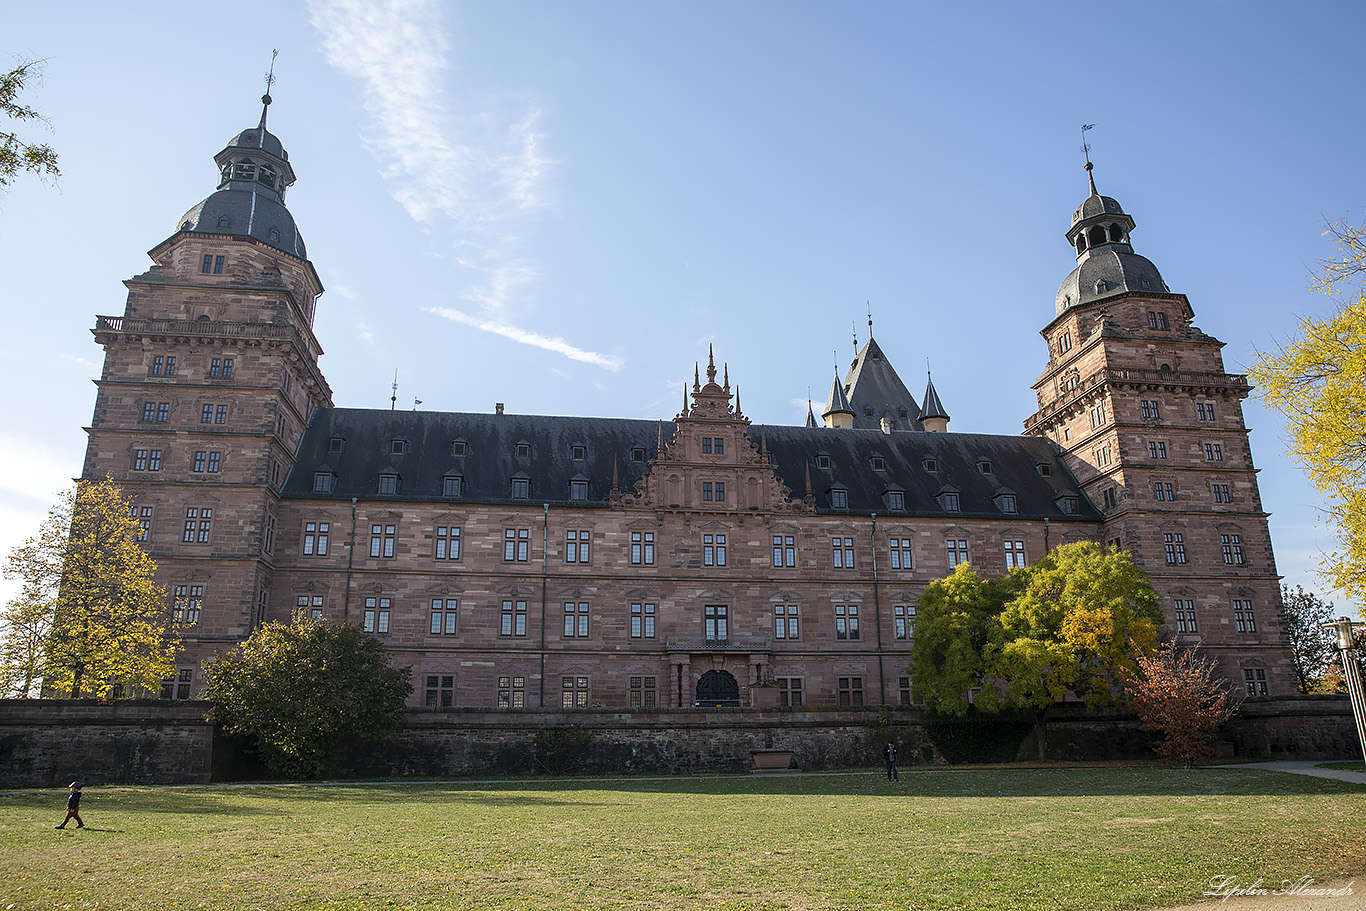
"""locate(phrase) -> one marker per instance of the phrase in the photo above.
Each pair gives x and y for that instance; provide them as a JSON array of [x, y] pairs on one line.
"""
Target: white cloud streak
[[526, 337], [473, 165]]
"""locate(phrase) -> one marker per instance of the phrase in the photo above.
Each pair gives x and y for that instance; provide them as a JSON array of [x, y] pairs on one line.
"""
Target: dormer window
[[274, 236], [223, 221], [930, 465], [867, 410], [398, 447], [459, 448], [523, 450], [984, 466], [896, 499], [521, 488], [878, 463], [452, 485], [1044, 469], [389, 483], [839, 498], [335, 444], [1068, 505], [823, 462], [1006, 502], [578, 452], [948, 500], [901, 413], [578, 490], [322, 481], [637, 453], [1102, 286]]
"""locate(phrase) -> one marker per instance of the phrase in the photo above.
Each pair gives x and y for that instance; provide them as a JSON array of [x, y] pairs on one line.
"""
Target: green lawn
[[1344, 766], [997, 839]]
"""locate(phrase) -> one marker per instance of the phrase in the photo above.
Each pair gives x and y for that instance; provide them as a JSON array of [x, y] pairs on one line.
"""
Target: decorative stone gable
[[711, 463]]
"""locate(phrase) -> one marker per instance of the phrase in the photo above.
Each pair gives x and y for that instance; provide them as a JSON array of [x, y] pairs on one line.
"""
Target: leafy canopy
[[1303, 615], [89, 617], [1318, 384], [305, 691], [15, 154], [1177, 693], [1073, 622]]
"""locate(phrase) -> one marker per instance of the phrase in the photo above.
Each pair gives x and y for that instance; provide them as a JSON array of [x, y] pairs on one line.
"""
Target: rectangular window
[[309, 606], [1098, 415], [1185, 616], [714, 491], [1157, 319], [1242, 617], [576, 619], [1214, 452], [839, 499], [388, 483], [578, 490], [268, 537], [521, 488], [576, 546], [574, 692], [1015, 556], [444, 617], [144, 516], [1007, 501], [1255, 680], [440, 691], [1163, 491], [1108, 498], [149, 412], [1151, 410], [785, 624], [452, 486], [1221, 493], [514, 618], [515, 544], [1175, 547], [382, 540], [642, 621], [315, 538], [157, 367], [447, 542], [178, 687], [896, 499], [958, 552], [376, 615], [215, 462], [714, 550], [163, 412], [1232, 546], [1204, 411], [511, 692], [904, 685], [199, 458], [227, 368], [1157, 450], [789, 691], [215, 367], [322, 482], [903, 615], [208, 263], [1065, 342], [1102, 456], [842, 550], [846, 621], [950, 500], [714, 620], [189, 599], [642, 692], [643, 548], [206, 414], [901, 553], [784, 551], [706, 445], [220, 414], [851, 690], [197, 522]]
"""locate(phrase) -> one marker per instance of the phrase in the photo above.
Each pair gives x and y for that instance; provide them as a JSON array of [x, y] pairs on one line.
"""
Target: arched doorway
[[717, 688]]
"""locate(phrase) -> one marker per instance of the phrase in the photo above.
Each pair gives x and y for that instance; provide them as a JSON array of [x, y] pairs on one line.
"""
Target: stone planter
[[771, 760]]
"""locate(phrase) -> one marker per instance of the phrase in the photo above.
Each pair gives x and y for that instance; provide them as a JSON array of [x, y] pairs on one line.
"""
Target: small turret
[[838, 412], [933, 417]]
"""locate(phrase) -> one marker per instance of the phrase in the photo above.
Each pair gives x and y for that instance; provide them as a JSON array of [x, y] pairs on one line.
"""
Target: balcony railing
[[708, 644], [193, 327], [1188, 378]]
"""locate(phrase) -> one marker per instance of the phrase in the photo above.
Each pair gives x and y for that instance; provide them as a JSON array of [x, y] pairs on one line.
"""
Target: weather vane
[[1086, 149], [270, 76]]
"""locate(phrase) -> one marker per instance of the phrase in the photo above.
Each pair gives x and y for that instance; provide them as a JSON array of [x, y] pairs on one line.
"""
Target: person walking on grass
[[73, 807], [890, 752]]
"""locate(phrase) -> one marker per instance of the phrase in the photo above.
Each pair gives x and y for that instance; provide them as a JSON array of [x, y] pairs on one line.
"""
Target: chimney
[[886, 425], [498, 408]]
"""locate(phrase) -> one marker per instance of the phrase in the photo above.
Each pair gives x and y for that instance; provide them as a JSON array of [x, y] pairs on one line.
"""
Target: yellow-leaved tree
[[1318, 383], [89, 620]]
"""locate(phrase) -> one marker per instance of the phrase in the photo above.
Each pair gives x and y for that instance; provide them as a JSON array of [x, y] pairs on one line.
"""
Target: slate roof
[[933, 408], [1105, 269], [491, 462], [872, 383]]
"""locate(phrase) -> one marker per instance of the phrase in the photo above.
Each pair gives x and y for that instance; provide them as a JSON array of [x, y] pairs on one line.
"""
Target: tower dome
[[1106, 262], [254, 174]]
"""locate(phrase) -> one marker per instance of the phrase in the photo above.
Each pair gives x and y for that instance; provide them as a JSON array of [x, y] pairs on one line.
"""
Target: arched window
[[1096, 235], [1116, 234], [1081, 243]]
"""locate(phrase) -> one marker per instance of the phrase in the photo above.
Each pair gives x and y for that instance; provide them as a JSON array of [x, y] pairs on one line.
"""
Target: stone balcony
[[745, 644]]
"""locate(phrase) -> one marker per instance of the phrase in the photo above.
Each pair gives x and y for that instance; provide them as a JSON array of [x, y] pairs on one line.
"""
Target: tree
[[953, 622], [1176, 692], [1302, 618], [86, 575], [307, 690], [15, 154], [1318, 384]]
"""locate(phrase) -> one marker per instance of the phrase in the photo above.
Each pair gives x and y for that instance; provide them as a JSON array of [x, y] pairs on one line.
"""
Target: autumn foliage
[[1177, 693]]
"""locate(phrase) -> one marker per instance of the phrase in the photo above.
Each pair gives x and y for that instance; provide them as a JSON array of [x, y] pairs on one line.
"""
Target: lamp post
[[1351, 669]]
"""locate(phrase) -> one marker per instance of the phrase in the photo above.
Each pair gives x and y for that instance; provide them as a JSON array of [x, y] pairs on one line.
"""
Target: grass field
[[1054, 839], [1344, 766]]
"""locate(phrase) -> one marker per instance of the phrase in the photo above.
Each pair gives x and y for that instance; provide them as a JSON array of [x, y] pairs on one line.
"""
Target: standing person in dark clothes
[[73, 807], [890, 752]]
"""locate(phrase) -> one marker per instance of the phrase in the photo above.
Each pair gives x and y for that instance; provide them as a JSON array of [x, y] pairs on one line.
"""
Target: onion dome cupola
[[250, 199], [932, 414], [1106, 262]]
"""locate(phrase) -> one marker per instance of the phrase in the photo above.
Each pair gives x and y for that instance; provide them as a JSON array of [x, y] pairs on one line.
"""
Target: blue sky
[[558, 206]]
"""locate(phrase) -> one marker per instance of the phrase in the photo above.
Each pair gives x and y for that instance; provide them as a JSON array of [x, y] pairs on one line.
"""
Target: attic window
[[949, 500], [459, 448], [637, 453], [984, 466], [578, 490], [1007, 503], [931, 465], [578, 452], [322, 482], [823, 461], [398, 447], [223, 221], [335, 444], [839, 498], [901, 413], [275, 235], [452, 485], [878, 463], [521, 488], [1102, 286], [523, 450], [1068, 505], [868, 410], [1044, 469], [389, 483], [896, 499]]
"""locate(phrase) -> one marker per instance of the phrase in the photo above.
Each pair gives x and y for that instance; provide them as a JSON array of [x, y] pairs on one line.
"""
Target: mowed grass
[[991, 839]]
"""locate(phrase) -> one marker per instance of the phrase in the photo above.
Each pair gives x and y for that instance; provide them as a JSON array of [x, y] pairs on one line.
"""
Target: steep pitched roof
[[876, 392], [837, 402], [933, 408]]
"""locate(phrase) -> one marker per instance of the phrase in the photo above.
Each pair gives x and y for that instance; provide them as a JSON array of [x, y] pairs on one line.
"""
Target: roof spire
[[1086, 151], [763, 439], [810, 412], [738, 412], [854, 327], [711, 365], [616, 481], [870, 320], [659, 441], [696, 381], [270, 80], [685, 397], [808, 479], [725, 382]]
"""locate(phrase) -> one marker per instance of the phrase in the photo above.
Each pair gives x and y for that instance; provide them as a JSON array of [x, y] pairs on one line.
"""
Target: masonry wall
[[47, 743]]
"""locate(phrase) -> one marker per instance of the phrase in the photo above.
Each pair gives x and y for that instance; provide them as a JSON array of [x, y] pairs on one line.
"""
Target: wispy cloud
[[467, 164], [526, 337]]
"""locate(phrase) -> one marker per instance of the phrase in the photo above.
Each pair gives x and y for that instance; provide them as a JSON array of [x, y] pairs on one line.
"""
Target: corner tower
[[1138, 400], [209, 377]]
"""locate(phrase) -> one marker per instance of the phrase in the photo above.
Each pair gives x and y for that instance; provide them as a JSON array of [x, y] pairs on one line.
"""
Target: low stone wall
[[46, 743], [51, 742]]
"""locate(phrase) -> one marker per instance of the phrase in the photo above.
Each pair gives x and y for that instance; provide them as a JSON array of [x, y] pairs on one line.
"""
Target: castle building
[[527, 561]]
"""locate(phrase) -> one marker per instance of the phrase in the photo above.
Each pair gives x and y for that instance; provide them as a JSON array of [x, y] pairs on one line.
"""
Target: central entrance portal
[[718, 689]]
